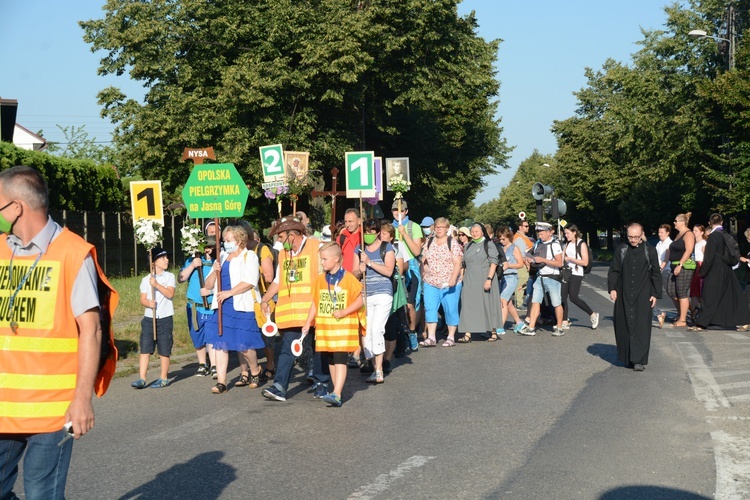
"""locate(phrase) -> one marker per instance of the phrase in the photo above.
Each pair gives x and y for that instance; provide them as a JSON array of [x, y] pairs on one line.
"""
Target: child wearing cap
[[157, 291]]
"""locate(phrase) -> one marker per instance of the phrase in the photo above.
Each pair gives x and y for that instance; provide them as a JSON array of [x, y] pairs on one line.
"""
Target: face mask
[[287, 245], [370, 238], [5, 224], [427, 231], [230, 246]]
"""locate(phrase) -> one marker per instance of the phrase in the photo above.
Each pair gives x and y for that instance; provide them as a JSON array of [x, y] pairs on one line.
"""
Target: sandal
[[428, 342], [243, 381], [492, 338], [743, 328], [696, 328], [449, 343], [268, 374], [661, 319], [255, 380], [219, 389], [678, 324], [466, 339]]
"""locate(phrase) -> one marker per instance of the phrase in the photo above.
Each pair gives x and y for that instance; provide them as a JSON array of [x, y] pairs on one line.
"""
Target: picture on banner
[[396, 170], [297, 165]]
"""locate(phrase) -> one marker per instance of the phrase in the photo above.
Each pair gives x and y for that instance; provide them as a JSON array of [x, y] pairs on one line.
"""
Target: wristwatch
[[489, 278]]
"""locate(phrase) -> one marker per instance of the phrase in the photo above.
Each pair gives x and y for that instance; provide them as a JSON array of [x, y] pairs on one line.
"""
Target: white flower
[[193, 241], [148, 232]]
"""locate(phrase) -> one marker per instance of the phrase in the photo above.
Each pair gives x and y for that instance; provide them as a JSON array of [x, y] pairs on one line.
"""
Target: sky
[[547, 44]]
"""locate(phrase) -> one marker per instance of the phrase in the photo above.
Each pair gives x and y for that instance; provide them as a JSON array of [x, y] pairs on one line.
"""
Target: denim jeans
[[286, 362], [45, 465]]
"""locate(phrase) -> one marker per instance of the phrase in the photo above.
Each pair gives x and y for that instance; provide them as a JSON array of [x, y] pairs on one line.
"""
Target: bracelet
[[489, 278]]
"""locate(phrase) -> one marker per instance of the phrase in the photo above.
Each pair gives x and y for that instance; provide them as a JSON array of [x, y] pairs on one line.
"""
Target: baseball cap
[[427, 222]]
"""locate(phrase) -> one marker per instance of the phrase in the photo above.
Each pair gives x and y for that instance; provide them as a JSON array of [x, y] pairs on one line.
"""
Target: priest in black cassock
[[634, 283]]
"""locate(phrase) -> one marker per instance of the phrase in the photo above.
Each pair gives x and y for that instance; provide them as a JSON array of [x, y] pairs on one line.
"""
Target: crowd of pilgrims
[[406, 286]]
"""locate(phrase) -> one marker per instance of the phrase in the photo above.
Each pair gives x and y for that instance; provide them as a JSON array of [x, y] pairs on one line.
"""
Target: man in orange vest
[[51, 322], [296, 274]]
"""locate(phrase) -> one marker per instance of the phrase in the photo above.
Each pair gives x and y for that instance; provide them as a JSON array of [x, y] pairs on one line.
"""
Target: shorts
[[434, 297], [508, 286], [164, 337], [411, 291], [197, 327], [544, 284], [678, 287]]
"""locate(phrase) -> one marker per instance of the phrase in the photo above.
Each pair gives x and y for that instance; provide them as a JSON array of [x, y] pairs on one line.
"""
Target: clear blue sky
[[546, 46]]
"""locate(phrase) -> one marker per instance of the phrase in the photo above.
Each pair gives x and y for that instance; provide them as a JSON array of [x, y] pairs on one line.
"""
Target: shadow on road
[[607, 352], [650, 493], [202, 477]]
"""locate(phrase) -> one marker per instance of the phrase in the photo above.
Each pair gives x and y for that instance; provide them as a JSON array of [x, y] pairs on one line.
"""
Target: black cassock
[[722, 300], [635, 284]]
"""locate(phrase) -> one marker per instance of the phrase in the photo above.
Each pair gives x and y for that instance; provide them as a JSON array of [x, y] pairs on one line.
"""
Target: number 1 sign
[[360, 174]]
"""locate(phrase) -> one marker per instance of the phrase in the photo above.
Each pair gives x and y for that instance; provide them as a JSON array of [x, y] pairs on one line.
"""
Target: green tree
[[400, 77]]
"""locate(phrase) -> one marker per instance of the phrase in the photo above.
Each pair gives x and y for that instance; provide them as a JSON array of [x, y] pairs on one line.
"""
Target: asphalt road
[[525, 417]]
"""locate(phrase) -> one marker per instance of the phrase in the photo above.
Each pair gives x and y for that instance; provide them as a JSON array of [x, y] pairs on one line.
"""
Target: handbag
[[566, 273], [399, 295], [688, 265]]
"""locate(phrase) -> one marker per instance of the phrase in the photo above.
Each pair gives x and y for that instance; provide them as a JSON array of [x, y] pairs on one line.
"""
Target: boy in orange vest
[[337, 311], [162, 283]]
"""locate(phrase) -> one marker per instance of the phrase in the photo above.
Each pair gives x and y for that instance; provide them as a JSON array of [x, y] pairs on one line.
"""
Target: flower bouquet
[[148, 232], [193, 240], [399, 186]]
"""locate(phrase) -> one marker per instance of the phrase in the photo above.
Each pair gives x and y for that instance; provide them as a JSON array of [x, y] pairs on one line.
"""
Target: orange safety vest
[[331, 334], [39, 362], [294, 298]]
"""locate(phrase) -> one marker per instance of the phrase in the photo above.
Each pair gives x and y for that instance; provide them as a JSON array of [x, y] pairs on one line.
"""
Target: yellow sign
[[146, 201]]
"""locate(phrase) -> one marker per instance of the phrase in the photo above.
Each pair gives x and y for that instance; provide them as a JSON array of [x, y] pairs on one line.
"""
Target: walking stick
[[361, 251], [218, 275], [153, 293]]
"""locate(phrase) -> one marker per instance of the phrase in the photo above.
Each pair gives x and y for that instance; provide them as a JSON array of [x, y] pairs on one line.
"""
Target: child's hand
[[205, 292], [338, 314], [152, 304], [196, 263], [152, 281]]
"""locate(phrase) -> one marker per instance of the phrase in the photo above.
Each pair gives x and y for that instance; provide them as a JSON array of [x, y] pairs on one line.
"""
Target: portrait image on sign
[[396, 171], [297, 165]]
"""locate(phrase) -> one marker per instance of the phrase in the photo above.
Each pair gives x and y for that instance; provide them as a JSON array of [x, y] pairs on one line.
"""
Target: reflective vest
[[295, 297], [331, 334], [39, 362]]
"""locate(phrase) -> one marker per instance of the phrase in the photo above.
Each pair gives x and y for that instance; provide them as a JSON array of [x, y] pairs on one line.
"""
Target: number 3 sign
[[360, 174]]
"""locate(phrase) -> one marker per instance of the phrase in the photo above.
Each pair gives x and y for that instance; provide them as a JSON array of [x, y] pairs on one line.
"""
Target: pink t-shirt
[[438, 262]]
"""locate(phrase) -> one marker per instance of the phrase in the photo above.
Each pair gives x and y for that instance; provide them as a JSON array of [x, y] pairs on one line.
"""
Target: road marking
[[706, 390], [384, 481], [676, 335], [732, 455], [596, 290], [198, 425], [730, 373], [739, 399]]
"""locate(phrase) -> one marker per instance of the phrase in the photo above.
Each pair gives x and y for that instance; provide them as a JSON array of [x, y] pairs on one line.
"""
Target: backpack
[[587, 267], [394, 274], [275, 255], [733, 249], [624, 249]]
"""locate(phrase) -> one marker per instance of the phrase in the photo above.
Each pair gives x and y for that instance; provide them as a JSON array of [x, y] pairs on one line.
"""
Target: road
[[525, 417]]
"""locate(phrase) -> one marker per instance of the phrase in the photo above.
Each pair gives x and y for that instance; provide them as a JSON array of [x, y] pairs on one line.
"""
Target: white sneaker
[[558, 332], [530, 332], [566, 325], [594, 321]]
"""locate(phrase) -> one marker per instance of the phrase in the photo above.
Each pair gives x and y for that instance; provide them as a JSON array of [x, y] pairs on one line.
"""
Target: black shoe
[[367, 368], [387, 367]]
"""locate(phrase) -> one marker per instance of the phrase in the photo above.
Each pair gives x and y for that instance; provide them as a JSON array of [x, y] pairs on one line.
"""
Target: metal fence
[[112, 234]]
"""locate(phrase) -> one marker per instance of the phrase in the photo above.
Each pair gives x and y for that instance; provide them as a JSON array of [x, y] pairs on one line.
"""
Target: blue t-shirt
[[377, 284], [194, 286]]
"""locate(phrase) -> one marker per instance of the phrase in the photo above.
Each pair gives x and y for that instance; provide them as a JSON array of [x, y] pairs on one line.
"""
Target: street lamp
[[730, 39]]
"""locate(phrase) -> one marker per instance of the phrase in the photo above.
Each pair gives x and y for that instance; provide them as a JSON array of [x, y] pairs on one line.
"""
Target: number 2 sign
[[272, 159], [360, 174]]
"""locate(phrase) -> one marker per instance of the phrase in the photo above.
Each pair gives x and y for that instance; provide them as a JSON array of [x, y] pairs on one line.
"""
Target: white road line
[[597, 290], [732, 455], [734, 385], [739, 399], [675, 335], [384, 481], [730, 373], [706, 390], [198, 425]]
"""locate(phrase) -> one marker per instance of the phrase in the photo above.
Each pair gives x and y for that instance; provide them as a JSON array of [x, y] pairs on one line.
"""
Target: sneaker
[[353, 362], [413, 341], [595, 321], [558, 332], [333, 400], [519, 327], [310, 377], [202, 371], [566, 325], [530, 332], [500, 331], [160, 383], [273, 393], [138, 384], [214, 375], [320, 390], [638, 367]]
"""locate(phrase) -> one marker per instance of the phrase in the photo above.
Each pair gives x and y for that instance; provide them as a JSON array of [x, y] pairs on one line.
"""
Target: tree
[[79, 146], [399, 77]]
